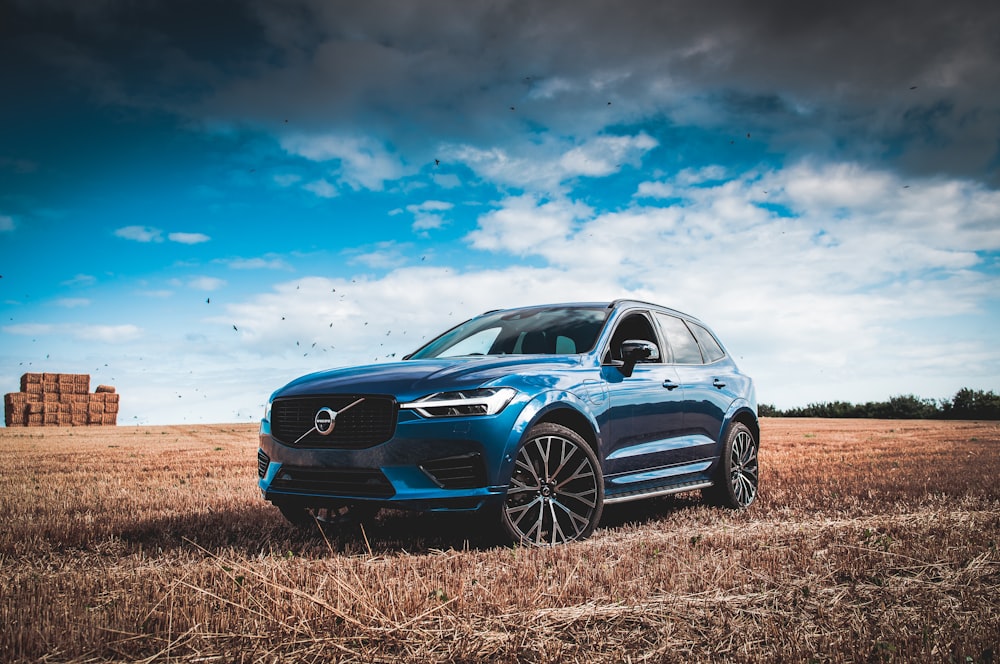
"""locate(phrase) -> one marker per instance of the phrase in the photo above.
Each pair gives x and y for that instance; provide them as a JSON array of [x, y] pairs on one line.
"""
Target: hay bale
[[30, 379], [105, 389], [82, 383], [95, 407], [15, 406]]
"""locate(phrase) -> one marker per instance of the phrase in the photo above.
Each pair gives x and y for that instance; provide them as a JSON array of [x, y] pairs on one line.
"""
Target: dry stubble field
[[873, 541]]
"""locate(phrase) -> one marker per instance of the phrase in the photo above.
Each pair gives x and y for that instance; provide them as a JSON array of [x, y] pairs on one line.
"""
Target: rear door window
[[682, 343], [710, 348]]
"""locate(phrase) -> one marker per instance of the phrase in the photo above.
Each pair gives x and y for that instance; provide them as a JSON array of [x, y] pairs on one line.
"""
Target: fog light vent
[[458, 472]]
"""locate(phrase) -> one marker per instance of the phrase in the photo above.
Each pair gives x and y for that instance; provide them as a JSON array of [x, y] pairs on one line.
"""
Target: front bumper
[[430, 464]]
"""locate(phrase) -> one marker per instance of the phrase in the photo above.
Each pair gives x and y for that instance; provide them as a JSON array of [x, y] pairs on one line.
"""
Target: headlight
[[485, 401]]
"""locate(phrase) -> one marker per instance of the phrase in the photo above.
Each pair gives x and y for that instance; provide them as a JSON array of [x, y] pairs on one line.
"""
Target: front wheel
[[737, 475], [556, 492]]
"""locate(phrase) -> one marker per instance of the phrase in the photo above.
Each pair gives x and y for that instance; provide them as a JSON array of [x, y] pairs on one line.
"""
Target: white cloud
[[206, 283], [364, 163], [605, 155], [524, 225], [287, 179], [150, 234], [29, 329], [425, 215], [547, 164], [188, 238], [322, 188], [80, 280], [260, 263], [107, 333], [140, 233], [100, 333], [447, 180], [6, 223]]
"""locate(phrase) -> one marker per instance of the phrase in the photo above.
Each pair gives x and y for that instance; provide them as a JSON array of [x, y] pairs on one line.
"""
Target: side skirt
[[654, 492]]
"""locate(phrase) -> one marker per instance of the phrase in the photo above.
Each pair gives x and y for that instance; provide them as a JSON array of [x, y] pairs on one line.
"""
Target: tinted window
[[634, 326], [709, 346], [682, 343], [531, 331]]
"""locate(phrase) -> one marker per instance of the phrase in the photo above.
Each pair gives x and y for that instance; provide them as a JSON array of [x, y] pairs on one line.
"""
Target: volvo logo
[[325, 421]]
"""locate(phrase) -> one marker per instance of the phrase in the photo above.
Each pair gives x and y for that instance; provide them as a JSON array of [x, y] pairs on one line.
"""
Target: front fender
[[533, 412]]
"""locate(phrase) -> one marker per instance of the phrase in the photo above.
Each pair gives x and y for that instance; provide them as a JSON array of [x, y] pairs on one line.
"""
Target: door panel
[[645, 419]]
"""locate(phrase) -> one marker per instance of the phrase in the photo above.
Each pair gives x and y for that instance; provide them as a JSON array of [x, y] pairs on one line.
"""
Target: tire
[[556, 491], [339, 516], [737, 476]]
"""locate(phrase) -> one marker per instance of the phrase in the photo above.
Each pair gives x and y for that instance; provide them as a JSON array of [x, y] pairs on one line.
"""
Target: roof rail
[[622, 300]]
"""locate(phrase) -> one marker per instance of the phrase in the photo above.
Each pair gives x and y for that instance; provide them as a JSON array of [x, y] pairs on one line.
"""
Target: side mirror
[[635, 351]]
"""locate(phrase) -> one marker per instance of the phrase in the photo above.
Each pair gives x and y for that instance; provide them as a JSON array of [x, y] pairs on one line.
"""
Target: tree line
[[967, 404]]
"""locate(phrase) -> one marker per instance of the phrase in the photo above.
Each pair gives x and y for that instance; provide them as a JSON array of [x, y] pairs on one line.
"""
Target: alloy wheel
[[555, 493]]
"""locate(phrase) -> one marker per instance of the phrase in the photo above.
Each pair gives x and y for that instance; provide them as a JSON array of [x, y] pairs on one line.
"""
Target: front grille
[[368, 423], [459, 472], [262, 462], [367, 482]]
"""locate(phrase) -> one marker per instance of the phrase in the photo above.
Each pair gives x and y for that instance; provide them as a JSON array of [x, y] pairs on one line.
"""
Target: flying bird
[[437, 162], [208, 300], [236, 328]]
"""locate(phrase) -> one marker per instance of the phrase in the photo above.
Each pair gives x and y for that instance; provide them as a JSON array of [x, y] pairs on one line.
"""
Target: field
[[872, 541]]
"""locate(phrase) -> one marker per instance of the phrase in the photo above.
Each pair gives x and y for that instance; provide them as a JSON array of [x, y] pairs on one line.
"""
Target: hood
[[412, 379]]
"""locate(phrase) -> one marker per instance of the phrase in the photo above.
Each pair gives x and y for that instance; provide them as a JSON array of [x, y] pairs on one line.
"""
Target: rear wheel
[[338, 516], [737, 475], [556, 492]]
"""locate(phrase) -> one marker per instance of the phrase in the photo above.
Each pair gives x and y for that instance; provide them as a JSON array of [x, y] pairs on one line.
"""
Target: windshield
[[537, 331]]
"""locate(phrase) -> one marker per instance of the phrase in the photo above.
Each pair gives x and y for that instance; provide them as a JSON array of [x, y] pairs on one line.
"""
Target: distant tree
[[910, 407], [767, 410], [966, 405], [972, 405]]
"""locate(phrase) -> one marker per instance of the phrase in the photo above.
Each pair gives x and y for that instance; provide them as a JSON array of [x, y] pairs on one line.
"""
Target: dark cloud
[[913, 82]]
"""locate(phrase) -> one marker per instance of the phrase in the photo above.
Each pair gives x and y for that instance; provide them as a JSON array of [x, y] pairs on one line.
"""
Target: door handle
[[718, 383], [670, 385]]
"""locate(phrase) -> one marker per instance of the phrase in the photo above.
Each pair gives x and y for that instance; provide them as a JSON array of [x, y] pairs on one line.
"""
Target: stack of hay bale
[[49, 399]]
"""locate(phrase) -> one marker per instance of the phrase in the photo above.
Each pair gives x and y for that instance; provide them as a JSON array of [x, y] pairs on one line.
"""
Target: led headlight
[[484, 401]]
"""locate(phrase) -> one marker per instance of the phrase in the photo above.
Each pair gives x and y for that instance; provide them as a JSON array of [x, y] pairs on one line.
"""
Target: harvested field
[[873, 541]]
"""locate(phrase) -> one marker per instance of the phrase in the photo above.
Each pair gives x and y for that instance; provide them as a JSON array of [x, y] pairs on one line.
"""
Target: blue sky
[[202, 201]]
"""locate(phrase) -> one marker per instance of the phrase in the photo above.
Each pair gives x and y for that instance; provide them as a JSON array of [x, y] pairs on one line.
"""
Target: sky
[[200, 201]]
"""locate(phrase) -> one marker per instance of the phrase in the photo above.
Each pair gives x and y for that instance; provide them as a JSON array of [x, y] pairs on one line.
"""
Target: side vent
[[458, 472]]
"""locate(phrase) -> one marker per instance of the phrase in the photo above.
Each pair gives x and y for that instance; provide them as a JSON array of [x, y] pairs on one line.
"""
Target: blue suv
[[537, 416]]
